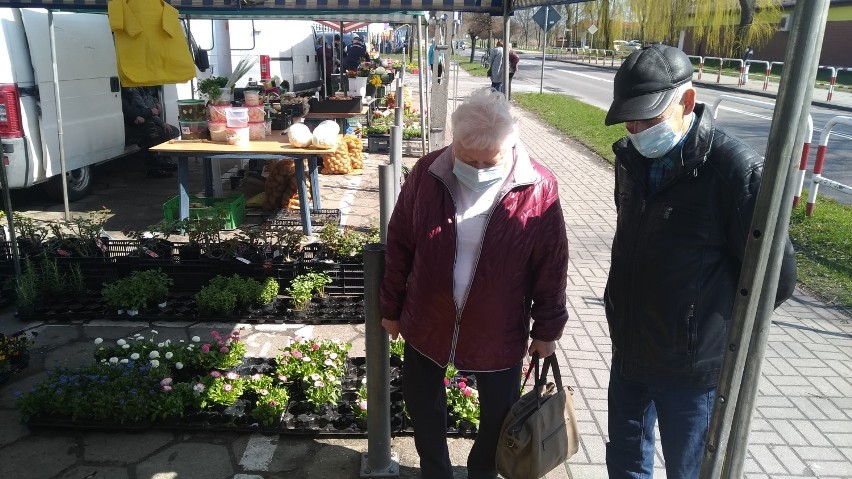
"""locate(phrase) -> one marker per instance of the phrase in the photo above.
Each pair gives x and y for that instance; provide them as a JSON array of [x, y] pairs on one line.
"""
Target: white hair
[[484, 121]]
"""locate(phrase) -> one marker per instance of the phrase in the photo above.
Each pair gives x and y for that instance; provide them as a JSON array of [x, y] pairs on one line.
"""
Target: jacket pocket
[[686, 332]]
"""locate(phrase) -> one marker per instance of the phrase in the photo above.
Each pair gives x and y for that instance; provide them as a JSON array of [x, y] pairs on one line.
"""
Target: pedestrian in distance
[[476, 247], [514, 60], [747, 56], [355, 54], [431, 55], [145, 127], [495, 69], [685, 192]]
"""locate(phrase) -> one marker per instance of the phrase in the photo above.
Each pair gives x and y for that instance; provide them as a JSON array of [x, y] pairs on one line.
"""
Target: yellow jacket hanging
[[150, 46]]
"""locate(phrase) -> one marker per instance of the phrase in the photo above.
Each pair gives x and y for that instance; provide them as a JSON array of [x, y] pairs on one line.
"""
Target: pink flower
[[264, 392], [205, 348], [446, 382], [273, 403], [286, 354], [315, 346], [215, 334], [215, 374], [297, 354], [232, 376], [223, 350], [166, 382], [282, 378], [363, 405], [167, 388], [467, 392], [462, 385], [227, 387], [255, 377], [235, 335]]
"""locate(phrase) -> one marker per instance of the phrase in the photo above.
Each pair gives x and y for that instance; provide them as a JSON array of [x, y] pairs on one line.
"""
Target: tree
[[478, 26]]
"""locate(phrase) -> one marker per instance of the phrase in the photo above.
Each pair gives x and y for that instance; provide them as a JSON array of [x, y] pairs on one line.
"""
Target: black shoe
[[168, 165], [159, 174]]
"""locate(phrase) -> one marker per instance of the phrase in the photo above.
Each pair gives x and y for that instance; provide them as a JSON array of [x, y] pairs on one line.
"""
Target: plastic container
[[217, 112], [257, 130], [235, 205], [217, 130], [256, 114], [225, 96], [237, 136], [192, 110], [193, 130], [237, 117], [251, 98]]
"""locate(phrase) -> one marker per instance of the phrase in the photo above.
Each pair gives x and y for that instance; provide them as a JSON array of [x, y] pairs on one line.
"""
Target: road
[[751, 124]]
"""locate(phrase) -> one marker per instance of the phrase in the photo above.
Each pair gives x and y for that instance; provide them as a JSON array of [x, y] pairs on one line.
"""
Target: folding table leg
[[304, 209], [313, 167]]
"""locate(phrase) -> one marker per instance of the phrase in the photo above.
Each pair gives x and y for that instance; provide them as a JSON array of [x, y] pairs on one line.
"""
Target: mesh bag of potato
[[337, 163], [281, 187], [356, 151]]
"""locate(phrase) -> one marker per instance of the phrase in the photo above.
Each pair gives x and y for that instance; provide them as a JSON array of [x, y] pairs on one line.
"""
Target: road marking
[[584, 75], [764, 117], [259, 452]]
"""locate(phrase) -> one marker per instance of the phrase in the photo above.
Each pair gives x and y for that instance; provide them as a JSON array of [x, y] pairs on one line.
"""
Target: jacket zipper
[[690, 338], [459, 310]]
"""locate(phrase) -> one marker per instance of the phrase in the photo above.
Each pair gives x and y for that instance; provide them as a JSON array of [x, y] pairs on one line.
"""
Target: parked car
[[626, 45]]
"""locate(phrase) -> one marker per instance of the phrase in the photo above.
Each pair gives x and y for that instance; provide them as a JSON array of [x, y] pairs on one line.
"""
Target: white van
[[92, 120]]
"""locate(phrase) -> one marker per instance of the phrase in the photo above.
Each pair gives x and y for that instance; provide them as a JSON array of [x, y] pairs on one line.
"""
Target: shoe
[[168, 165], [159, 174]]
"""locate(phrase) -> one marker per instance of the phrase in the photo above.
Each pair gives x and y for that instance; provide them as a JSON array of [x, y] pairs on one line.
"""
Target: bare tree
[[478, 25]]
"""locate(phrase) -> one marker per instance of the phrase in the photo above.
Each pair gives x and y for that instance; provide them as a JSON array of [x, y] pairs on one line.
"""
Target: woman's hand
[[544, 348], [392, 327]]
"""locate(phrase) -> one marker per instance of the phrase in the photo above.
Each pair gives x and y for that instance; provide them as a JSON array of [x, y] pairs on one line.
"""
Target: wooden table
[[274, 147]]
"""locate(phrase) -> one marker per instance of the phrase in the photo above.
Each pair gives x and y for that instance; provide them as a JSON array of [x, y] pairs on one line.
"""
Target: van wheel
[[79, 184]]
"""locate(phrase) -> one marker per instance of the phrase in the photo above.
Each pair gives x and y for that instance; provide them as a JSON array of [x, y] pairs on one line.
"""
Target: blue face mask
[[477, 179], [656, 141]]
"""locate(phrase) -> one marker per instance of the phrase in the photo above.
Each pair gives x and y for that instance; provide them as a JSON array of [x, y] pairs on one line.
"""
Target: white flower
[[196, 339], [160, 345], [103, 360], [189, 348], [315, 376], [121, 342], [124, 361], [169, 341], [182, 341], [113, 360], [169, 355], [126, 346], [134, 356], [328, 362], [154, 354], [333, 356], [155, 363], [154, 331], [364, 381], [306, 359], [99, 340], [137, 335], [319, 384], [178, 365], [198, 387]]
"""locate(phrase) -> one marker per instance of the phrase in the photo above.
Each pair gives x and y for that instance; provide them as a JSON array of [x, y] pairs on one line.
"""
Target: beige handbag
[[540, 432]]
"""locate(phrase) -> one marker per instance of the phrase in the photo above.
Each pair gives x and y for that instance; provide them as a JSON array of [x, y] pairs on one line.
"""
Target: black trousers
[[426, 400]]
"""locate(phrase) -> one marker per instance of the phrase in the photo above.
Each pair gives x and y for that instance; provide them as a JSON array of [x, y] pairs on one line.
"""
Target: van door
[[92, 121]]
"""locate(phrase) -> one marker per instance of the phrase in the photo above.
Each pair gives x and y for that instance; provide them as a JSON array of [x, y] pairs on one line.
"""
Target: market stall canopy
[[340, 10]]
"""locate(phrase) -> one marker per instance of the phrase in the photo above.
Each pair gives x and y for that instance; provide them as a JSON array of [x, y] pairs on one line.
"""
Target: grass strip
[[581, 121], [823, 242]]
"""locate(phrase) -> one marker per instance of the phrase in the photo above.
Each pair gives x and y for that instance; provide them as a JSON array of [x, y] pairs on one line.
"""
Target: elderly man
[[476, 249], [685, 192]]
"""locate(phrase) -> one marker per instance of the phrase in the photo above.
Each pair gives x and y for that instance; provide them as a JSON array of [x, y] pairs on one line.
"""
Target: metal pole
[[506, 36], [59, 129], [378, 461], [741, 423], [428, 90], [762, 260], [13, 240], [386, 199], [543, 47], [420, 82], [396, 158]]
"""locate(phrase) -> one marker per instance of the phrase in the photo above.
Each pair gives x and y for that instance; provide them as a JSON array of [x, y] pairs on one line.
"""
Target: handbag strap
[[541, 374]]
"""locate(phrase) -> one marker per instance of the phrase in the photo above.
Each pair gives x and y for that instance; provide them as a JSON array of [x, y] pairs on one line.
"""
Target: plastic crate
[[346, 278], [378, 143], [235, 206]]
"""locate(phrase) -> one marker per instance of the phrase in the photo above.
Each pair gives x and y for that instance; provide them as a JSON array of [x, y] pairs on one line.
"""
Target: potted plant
[[213, 88], [27, 289], [301, 290], [14, 353]]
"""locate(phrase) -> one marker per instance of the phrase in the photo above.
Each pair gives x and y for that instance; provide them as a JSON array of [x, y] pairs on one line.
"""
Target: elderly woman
[[476, 247]]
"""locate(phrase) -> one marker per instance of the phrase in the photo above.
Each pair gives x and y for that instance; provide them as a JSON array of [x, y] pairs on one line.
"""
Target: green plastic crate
[[235, 205]]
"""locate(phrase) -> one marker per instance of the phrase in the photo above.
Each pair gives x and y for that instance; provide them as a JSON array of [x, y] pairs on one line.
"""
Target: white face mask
[[477, 179], [656, 141]]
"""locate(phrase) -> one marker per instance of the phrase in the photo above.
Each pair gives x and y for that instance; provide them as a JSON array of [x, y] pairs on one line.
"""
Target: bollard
[[800, 179], [700, 67], [719, 75], [378, 461], [396, 158], [386, 199], [831, 85], [766, 78]]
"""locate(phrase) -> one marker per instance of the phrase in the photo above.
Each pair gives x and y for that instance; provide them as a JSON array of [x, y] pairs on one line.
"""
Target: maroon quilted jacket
[[521, 271]]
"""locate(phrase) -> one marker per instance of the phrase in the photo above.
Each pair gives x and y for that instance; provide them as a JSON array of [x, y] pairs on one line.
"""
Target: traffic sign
[[546, 14], [593, 29]]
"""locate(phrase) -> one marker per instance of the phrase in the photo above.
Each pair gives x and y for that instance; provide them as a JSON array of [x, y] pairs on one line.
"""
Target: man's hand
[[139, 120], [544, 348], [392, 327]]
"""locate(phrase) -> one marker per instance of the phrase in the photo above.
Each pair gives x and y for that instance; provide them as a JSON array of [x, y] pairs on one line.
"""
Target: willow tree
[[724, 26]]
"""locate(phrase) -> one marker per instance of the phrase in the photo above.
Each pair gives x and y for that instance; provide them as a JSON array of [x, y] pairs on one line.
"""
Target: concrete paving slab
[[122, 448], [188, 460], [38, 456], [94, 472]]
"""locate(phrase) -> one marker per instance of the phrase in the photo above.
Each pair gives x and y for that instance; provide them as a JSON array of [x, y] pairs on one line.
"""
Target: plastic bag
[[325, 134], [300, 135]]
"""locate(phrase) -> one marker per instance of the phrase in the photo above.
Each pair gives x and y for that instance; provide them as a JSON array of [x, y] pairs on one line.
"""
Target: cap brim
[[642, 107]]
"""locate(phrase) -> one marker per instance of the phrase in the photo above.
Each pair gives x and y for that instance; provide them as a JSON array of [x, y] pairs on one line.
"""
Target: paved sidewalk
[[802, 426]]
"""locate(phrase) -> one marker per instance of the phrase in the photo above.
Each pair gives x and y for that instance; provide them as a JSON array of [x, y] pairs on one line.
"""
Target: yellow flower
[[376, 81]]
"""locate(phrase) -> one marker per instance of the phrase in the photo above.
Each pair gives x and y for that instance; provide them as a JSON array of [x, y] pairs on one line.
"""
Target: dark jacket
[[521, 270], [677, 256], [354, 53], [514, 59]]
